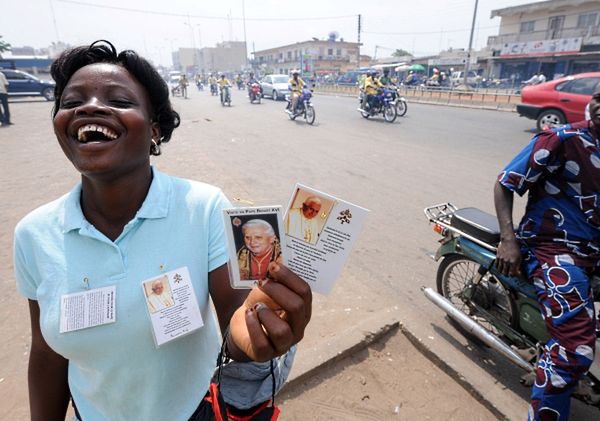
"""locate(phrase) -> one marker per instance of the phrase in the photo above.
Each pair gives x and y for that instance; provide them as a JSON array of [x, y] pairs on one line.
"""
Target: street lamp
[[172, 49]]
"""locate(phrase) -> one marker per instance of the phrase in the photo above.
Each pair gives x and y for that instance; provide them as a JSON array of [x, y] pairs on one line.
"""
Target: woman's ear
[[156, 131]]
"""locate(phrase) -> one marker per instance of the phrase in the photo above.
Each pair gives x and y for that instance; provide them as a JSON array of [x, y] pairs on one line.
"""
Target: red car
[[559, 101]]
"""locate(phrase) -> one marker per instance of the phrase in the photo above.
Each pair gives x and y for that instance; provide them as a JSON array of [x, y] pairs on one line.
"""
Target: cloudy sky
[[153, 27]]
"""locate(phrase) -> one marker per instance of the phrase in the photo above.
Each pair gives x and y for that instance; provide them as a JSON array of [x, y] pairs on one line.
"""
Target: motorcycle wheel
[[390, 114], [401, 108], [365, 114], [454, 277], [309, 114]]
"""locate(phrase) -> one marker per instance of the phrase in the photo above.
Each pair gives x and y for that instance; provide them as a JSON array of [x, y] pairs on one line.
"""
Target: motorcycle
[[254, 93], [200, 85], [486, 306], [383, 104], [400, 101], [304, 107], [225, 96], [240, 84], [213, 89]]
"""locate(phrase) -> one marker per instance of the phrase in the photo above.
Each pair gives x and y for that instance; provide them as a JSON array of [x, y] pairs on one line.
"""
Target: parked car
[[458, 78], [23, 84], [559, 101], [275, 86]]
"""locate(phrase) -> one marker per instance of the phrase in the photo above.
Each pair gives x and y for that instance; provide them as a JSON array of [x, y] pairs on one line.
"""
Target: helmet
[[373, 73], [222, 75], [295, 72], [386, 71]]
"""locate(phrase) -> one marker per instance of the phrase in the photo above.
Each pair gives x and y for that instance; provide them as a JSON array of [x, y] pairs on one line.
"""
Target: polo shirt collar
[[155, 206]]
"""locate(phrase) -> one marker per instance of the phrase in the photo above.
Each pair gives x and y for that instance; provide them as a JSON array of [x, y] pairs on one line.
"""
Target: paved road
[[256, 154]]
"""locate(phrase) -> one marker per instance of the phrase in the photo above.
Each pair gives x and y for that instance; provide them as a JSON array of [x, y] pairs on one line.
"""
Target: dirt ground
[[389, 380]]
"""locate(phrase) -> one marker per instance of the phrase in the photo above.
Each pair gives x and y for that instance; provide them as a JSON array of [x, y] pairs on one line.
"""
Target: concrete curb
[[362, 336], [414, 101], [454, 374], [345, 344]]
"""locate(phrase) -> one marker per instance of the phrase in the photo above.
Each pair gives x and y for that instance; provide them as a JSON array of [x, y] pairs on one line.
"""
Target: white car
[[275, 86]]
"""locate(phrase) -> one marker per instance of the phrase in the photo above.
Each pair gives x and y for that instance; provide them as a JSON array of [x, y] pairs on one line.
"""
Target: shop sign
[[548, 47]]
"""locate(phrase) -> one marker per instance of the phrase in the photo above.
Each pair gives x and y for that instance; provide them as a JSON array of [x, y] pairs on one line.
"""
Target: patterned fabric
[[560, 237], [564, 293], [561, 171]]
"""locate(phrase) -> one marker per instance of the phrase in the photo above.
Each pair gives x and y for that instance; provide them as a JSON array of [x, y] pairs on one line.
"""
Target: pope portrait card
[[320, 231], [254, 239]]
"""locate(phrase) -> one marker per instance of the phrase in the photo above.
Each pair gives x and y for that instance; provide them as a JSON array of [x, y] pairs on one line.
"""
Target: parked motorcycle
[[254, 93], [213, 89], [225, 96], [304, 107], [383, 104], [497, 310]]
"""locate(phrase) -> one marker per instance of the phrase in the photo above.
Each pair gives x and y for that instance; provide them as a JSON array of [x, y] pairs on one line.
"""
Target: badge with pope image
[[254, 240]]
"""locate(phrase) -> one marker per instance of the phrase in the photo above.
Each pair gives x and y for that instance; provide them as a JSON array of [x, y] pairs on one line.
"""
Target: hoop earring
[[154, 149]]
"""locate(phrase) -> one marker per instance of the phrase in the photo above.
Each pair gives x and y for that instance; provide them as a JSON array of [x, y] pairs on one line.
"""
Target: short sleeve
[[541, 156], [217, 244], [26, 285]]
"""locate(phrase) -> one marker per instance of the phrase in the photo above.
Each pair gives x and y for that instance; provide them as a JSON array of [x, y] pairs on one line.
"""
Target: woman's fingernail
[[259, 306]]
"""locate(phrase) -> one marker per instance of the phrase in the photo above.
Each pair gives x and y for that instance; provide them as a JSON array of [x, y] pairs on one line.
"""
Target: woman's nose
[[92, 106]]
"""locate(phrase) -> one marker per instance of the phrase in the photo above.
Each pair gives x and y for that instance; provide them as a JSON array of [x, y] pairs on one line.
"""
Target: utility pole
[[358, 46], [468, 63], [244, 19]]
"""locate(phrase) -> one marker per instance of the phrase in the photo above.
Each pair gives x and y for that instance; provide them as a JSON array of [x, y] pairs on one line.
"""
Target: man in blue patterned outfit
[[558, 244]]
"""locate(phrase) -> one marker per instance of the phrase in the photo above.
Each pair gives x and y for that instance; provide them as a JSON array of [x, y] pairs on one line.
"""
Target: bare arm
[[508, 256], [48, 384]]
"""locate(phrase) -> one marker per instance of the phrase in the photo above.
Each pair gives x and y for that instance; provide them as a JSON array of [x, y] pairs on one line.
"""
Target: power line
[[443, 31], [185, 15]]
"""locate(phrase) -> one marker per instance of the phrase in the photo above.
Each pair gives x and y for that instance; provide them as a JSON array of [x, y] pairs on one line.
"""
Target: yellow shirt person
[[371, 85], [223, 82], [296, 85]]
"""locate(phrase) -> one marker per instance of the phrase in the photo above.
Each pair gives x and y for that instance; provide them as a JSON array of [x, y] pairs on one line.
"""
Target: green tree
[[4, 46], [400, 52]]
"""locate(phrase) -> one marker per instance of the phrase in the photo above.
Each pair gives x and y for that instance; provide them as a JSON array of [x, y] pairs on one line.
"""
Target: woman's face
[[103, 123]]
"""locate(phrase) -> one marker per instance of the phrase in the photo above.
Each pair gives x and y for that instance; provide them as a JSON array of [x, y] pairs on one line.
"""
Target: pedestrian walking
[[5, 113]]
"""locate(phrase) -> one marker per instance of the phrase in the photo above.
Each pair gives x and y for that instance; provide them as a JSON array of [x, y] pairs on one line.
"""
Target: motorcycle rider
[[224, 86], [238, 81], [385, 78], [252, 79], [212, 81], [371, 86], [295, 85], [557, 245]]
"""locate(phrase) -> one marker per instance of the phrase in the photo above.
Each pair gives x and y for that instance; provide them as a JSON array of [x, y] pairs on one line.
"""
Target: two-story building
[[555, 37], [321, 56]]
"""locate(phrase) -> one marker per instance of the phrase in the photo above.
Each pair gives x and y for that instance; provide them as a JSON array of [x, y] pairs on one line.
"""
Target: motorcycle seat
[[478, 224]]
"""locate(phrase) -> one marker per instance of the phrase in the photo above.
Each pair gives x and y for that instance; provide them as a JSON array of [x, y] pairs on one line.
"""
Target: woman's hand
[[272, 318]]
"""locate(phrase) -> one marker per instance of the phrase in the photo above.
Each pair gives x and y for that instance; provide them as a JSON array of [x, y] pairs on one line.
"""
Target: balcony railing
[[585, 33]]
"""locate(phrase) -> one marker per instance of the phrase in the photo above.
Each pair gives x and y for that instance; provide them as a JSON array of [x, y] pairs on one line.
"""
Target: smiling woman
[[83, 262]]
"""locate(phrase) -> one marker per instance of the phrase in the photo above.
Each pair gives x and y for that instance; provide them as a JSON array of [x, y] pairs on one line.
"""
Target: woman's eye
[[69, 104], [121, 103]]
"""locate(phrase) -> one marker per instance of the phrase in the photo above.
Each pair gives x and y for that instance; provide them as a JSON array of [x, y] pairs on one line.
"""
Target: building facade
[[555, 37], [320, 56], [227, 56]]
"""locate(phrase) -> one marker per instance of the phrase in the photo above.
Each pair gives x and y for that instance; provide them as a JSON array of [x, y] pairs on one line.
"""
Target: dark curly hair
[[103, 51]]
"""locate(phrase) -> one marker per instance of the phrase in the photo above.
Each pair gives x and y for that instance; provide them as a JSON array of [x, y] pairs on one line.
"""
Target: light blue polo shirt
[[115, 370]]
